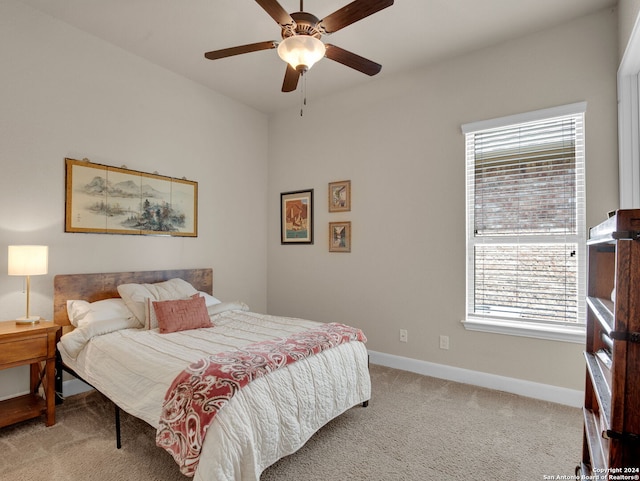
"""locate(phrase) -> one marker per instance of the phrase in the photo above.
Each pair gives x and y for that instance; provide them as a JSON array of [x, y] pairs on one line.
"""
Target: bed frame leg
[[366, 403], [59, 397], [58, 379], [118, 442]]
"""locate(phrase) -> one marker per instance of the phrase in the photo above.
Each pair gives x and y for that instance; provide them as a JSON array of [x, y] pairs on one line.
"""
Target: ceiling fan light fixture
[[301, 51]]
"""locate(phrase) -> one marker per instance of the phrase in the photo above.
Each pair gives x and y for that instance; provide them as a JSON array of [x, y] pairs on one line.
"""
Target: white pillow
[[135, 295], [82, 313], [151, 321], [209, 300]]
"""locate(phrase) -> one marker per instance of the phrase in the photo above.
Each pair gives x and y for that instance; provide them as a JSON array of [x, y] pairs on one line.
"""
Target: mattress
[[270, 418]]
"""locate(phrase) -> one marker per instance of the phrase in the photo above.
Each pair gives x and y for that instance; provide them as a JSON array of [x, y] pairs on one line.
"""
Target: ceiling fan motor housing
[[305, 24]]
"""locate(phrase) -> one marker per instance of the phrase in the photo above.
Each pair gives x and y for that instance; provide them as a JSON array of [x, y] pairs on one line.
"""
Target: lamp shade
[[301, 51], [28, 260]]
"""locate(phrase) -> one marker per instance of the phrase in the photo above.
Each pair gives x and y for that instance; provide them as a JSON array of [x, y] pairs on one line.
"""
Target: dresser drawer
[[23, 350]]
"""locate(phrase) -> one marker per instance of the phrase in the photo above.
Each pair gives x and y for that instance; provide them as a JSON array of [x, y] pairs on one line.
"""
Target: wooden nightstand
[[30, 344]]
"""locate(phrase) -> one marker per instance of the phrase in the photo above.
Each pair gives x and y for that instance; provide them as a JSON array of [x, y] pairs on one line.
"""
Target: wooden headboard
[[96, 287]]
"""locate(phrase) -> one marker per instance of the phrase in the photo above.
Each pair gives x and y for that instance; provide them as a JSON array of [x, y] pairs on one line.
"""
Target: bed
[[135, 365]]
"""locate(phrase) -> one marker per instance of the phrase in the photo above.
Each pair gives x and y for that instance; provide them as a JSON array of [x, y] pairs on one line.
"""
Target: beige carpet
[[415, 428]]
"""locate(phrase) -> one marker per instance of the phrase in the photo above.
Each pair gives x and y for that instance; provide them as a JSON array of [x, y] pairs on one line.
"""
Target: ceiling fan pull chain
[[303, 94]]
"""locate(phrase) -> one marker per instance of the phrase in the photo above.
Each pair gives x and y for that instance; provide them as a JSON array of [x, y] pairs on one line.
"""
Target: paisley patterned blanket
[[201, 390]]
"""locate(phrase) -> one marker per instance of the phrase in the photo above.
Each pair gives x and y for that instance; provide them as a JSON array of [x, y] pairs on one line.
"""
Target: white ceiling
[[175, 34]]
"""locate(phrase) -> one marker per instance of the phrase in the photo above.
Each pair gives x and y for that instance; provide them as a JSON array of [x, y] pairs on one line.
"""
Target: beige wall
[[628, 13], [399, 142], [66, 94]]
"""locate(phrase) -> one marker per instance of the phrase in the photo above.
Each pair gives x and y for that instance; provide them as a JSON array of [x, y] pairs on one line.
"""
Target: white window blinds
[[525, 220]]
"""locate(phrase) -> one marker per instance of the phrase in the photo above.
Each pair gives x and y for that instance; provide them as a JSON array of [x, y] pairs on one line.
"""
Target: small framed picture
[[339, 236], [296, 217], [340, 196]]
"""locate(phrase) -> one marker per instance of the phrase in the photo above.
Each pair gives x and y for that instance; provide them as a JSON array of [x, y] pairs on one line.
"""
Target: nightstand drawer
[[22, 350]]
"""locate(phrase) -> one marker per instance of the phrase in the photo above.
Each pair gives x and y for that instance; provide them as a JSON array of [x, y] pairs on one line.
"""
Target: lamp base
[[28, 320]]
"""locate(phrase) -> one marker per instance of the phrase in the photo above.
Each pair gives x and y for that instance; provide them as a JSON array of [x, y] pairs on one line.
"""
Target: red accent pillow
[[182, 314]]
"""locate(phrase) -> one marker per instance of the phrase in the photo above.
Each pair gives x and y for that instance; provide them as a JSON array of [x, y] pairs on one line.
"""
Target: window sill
[[527, 329]]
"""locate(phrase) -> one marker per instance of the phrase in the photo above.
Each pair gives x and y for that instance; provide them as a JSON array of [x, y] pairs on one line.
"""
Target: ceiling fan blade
[[230, 52], [352, 60], [275, 11], [351, 13], [291, 77]]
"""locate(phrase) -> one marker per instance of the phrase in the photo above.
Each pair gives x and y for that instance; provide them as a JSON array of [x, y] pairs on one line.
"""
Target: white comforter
[[268, 419]]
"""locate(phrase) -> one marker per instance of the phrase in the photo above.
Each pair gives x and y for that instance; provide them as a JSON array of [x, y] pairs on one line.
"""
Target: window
[[526, 224], [629, 122]]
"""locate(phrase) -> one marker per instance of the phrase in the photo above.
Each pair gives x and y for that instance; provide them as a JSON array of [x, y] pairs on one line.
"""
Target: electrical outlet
[[403, 335], [444, 342]]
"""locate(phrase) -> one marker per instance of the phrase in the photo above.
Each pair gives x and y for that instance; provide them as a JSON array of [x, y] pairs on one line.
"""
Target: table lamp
[[28, 261]]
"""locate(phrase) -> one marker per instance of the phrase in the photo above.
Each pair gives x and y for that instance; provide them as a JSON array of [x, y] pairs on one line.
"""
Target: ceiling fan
[[301, 46]]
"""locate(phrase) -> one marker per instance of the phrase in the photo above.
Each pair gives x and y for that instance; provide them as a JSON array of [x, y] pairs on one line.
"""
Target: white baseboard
[[545, 392], [69, 388], [74, 386]]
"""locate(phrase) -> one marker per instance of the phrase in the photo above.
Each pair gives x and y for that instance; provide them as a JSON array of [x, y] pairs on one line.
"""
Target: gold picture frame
[[340, 196], [340, 236], [115, 200]]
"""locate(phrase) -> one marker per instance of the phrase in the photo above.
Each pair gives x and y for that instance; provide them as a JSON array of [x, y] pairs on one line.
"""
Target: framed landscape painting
[[340, 236], [340, 196], [117, 200], [296, 217]]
